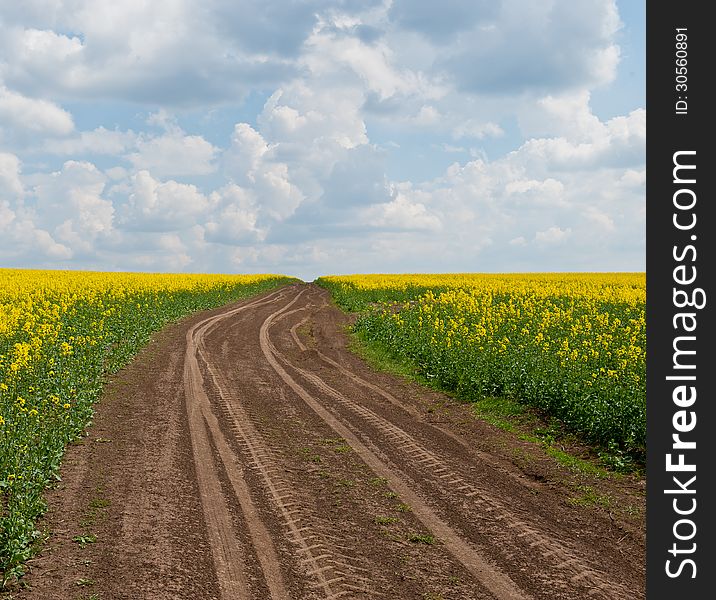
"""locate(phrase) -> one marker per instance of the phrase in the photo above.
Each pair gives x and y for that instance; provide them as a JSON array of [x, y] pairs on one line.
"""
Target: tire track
[[334, 575], [492, 578], [453, 486], [410, 410], [316, 557], [255, 458], [228, 555]]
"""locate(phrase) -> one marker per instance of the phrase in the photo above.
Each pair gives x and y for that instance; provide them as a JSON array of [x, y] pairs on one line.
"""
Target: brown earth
[[247, 454]]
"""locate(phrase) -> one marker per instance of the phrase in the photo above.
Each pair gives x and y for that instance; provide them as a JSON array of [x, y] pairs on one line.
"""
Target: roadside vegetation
[[571, 345], [61, 333]]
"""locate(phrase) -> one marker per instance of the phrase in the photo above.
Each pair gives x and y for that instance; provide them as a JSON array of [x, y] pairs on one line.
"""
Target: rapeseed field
[[60, 333], [571, 344]]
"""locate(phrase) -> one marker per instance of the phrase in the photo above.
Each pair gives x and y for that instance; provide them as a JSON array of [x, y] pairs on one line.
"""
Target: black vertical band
[[681, 363]]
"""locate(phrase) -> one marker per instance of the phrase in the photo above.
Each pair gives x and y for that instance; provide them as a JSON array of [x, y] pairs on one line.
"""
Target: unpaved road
[[246, 454]]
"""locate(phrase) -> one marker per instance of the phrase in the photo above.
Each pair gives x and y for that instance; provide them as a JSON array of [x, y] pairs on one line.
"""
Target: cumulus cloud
[[97, 141], [69, 203], [234, 218], [401, 213], [553, 235], [22, 117], [440, 22], [250, 161], [29, 245], [174, 153], [537, 46], [167, 51], [471, 128], [10, 183], [340, 157], [156, 206], [22, 241], [298, 114]]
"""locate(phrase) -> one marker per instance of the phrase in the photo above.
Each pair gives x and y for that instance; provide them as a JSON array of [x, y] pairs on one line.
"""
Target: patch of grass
[[422, 538], [630, 510], [96, 509], [84, 582], [309, 455], [346, 483], [331, 441], [380, 357], [402, 507], [505, 413], [509, 415], [84, 539], [576, 464], [390, 494], [590, 497], [379, 481], [500, 412], [380, 520]]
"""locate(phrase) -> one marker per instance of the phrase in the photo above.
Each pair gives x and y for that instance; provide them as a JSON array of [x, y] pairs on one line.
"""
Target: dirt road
[[246, 454]]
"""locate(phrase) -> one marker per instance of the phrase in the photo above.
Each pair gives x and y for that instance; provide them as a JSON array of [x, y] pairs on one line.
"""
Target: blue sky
[[322, 137]]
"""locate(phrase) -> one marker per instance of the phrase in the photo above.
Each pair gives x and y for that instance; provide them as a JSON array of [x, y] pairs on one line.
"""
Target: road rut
[[246, 454]]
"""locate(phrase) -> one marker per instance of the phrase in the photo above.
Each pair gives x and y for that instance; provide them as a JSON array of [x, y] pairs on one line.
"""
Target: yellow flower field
[[60, 333], [572, 344]]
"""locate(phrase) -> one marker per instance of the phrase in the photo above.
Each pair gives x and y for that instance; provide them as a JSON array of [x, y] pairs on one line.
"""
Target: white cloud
[[536, 47], [20, 115], [33, 243], [23, 243], [553, 235], [327, 117], [600, 219], [547, 193], [367, 102], [7, 215], [332, 52], [619, 141], [10, 183], [476, 130], [155, 206], [243, 158], [174, 154], [401, 213], [428, 115], [634, 178], [250, 162], [235, 216], [97, 141], [169, 52], [69, 203]]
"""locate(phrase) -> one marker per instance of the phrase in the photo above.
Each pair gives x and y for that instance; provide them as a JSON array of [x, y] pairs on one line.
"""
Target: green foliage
[[48, 402], [571, 346]]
